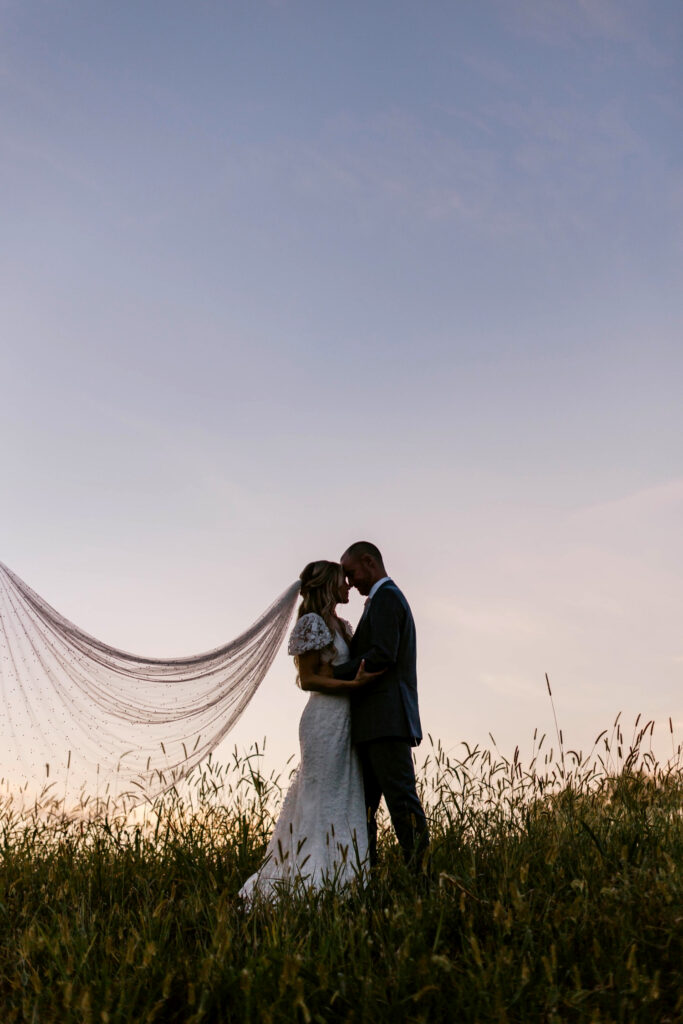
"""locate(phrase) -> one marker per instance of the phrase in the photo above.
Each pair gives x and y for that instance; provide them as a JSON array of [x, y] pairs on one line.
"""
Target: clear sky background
[[275, 277]]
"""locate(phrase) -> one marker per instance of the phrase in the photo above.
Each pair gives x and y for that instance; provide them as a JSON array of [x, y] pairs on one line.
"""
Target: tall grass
[[556, 896]]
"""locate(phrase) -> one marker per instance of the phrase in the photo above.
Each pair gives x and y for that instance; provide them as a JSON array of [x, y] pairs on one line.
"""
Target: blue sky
[[276, 276]]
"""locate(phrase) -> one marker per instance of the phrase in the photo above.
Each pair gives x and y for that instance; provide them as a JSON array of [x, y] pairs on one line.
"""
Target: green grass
[[557, 897]]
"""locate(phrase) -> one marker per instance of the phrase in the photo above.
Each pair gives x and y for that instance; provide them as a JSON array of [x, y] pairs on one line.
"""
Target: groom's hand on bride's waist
[[363, 676], [373, 667]]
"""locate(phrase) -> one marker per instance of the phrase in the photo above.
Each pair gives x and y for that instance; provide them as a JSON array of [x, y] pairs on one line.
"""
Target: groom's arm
[[386, 616]]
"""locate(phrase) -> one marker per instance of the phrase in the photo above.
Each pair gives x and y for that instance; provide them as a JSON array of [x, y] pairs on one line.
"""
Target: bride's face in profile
[[342, 590]]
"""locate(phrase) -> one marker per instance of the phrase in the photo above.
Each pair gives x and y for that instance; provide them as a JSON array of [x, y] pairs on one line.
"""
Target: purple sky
[[278, 276]]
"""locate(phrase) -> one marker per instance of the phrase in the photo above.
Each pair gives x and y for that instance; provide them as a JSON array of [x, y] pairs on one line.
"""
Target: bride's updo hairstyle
[[320, 586]]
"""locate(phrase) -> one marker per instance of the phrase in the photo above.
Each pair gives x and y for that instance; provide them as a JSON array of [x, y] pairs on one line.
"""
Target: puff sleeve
[[311, 633]]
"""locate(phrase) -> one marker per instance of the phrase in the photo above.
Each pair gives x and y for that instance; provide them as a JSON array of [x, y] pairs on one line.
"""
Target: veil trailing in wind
[[148, 721]]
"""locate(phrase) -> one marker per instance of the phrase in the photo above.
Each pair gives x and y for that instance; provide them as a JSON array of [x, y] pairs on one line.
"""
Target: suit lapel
[[361, 629], [363, 621]]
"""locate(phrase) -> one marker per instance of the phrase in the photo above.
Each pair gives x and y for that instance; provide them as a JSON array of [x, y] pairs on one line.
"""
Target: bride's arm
[[312, 675]]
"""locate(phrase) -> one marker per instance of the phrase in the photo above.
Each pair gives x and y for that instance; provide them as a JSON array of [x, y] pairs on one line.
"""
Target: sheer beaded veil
[[146, 721]]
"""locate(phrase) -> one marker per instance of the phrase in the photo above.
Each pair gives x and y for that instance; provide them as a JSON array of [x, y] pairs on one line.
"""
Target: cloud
[[490, 619], [564, 23], [652, 516], [523, 168], [520, 166]]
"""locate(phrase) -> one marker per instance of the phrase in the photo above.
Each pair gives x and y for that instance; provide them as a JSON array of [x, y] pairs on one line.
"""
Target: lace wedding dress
[[321, 835]]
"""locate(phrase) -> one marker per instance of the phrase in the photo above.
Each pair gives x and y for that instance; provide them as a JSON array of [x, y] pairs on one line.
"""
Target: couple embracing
[[356, 732]]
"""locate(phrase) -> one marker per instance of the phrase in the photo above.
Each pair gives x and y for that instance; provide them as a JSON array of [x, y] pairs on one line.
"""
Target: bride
[[321, 835], [72, 691]]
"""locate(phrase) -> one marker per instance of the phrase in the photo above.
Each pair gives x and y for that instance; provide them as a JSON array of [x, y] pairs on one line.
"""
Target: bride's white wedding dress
[[321, 835]]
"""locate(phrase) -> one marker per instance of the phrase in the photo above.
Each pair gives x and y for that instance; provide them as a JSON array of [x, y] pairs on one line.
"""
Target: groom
[[385, 721]]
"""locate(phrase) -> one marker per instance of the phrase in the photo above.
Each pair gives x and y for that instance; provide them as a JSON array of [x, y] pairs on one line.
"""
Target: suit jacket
[[385, 637]]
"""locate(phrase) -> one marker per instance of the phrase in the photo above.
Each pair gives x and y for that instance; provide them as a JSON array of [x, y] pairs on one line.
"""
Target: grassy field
[[557, 897]]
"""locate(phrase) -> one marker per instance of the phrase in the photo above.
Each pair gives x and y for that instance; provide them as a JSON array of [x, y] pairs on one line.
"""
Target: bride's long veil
[[147, 721]]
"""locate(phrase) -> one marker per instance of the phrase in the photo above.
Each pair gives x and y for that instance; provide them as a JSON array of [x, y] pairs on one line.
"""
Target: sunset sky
[[278, 276]]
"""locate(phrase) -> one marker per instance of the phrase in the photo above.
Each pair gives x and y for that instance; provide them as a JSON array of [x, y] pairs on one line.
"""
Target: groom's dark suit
[[385, 720]]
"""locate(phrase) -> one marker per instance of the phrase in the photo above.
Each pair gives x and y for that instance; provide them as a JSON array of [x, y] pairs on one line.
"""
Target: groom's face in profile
[[359, 572]]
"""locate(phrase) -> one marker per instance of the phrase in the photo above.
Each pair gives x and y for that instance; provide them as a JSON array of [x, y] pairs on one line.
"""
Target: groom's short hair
[[364, 547]]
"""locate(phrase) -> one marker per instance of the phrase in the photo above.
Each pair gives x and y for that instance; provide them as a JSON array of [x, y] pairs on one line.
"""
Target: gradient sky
[[279, 276]]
